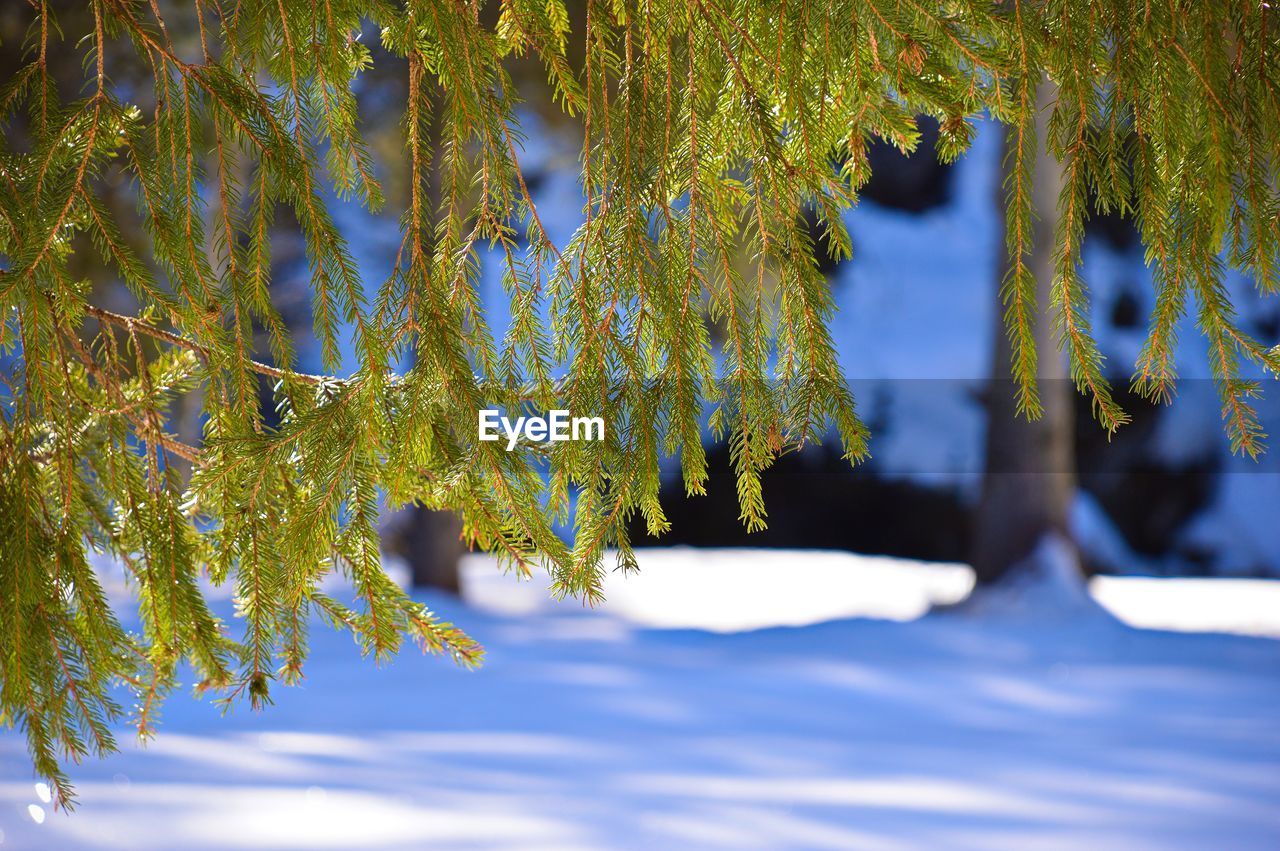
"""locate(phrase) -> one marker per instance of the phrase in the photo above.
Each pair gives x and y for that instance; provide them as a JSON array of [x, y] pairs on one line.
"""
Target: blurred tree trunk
[[1029, 472], [431, 544], [429, 541]]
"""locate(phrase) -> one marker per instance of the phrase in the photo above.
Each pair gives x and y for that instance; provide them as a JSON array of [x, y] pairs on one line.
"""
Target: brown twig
[[135, 324]]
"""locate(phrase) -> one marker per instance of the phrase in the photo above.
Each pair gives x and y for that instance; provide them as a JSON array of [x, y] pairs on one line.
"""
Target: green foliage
[[709, 128]]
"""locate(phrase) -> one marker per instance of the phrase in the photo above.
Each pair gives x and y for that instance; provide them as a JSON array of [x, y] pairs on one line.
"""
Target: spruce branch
[[710, 130], [135, 324]]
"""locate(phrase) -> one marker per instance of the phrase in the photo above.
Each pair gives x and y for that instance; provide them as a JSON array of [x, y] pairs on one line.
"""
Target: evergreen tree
[[710, 128]]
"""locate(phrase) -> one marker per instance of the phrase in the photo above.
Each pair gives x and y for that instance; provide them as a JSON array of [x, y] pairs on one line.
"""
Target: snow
[[1044, 588], [1244, 606], [730, 699], [734, 590]]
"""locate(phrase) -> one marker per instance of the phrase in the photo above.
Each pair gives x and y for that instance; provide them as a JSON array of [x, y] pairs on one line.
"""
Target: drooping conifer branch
[[713, 131], [134, 324]]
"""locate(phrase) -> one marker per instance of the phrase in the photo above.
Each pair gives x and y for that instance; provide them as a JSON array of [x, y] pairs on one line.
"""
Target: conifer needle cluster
[[712, 131]]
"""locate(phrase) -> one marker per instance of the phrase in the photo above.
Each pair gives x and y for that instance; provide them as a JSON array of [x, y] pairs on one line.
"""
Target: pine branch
[[133, 323], [710, 129]]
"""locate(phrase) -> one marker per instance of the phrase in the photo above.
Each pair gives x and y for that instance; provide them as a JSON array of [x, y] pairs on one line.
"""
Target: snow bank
[[593, 729], [1044, 588]]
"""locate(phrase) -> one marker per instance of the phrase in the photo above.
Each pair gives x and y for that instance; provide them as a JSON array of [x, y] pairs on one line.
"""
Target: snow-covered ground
[[731, 699]]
